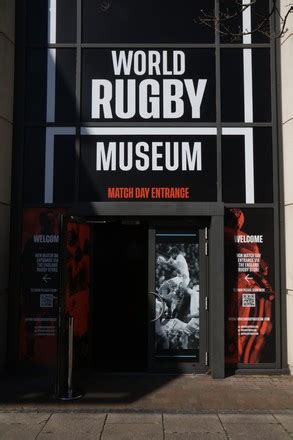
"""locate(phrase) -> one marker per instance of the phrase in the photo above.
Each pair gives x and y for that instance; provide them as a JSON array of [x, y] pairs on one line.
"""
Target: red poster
[[39, 285], [249, 286]]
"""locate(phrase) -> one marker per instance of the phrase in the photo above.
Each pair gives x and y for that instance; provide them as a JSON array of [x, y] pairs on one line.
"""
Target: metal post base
[[70, 395]]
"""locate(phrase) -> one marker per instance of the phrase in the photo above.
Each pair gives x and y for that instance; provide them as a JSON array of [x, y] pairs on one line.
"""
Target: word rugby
[[149, 84]]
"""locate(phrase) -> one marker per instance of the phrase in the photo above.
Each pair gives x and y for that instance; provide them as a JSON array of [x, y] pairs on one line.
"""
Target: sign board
[[40, 285], [250, 286]]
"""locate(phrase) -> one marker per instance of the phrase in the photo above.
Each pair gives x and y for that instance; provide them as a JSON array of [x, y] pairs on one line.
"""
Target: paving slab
[[132, 436], [192, 423], [135, 428], [286, 420], [21, 426], [86, 424], [134, 418], [247, 418], [256, 432], [68, 436], [197, 436], [24, 418], [19, 432], [133, 431]]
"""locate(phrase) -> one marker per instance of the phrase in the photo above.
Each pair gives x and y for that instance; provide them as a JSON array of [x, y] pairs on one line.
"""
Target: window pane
[[36, 85], [34, 165], [236, 160], [65, 86], [63, 19], [233, 19], [177, 303], [64, 168], [145, 21], [66, 21], [240, 87], [189, 71]]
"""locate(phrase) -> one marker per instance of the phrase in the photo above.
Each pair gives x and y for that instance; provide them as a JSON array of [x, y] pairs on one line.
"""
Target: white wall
[[6, 117], [287, 124]]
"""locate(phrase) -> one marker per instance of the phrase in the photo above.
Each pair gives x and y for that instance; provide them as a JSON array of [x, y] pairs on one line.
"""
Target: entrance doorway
[[119, 297], [148, 296]]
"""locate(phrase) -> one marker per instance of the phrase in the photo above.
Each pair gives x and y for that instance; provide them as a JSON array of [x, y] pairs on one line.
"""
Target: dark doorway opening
[[119, 311]]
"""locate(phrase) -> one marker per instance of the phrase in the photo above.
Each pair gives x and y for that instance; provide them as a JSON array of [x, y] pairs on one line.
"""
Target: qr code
[[248, 300], [46, 300]]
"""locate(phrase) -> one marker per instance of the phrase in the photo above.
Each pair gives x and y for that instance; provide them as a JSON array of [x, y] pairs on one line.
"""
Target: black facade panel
[[230, 21], [66, 28], [263, 165], [65, 86], [233, 169], [232, 90], [36, 85], [34, 166], [132, 21], [260, 21], [232, 28], [261, 69], [64, 169], [37, 22]]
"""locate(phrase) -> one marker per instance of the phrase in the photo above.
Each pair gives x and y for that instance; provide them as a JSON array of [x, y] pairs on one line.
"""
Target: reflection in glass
[[177, 283]]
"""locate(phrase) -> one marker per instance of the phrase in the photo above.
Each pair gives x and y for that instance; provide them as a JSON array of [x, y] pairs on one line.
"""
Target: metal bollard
[[69, 393]]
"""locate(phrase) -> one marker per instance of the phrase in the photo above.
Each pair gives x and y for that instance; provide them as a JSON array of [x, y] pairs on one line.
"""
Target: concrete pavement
[[64, 425], [146, 407], [155, 393]]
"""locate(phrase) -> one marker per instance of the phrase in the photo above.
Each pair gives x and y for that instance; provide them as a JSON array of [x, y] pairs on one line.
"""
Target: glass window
[[245, 93], [64, 168], [34, 165], [65, 111], [148, 21], [36, 85], [128, 84], [177, 331], [240, 23], [63, 19], [240, 173]]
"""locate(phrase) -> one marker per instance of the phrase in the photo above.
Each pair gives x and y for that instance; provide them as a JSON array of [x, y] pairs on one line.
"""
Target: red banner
[[249, 286], [39, 285]]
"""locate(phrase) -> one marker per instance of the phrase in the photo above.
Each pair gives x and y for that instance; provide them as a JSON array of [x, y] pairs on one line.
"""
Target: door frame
[[170, 365], [215, 278]]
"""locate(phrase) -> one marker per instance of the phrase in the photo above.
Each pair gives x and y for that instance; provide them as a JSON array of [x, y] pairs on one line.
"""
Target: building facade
[[7, 48], [286, 93], [148, 189]]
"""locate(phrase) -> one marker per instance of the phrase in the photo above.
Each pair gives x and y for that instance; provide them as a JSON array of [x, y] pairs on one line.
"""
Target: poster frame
[[171, 364]]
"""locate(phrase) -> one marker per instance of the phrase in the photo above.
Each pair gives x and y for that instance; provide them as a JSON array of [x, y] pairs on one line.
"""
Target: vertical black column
[[217, 297], [17, 182]]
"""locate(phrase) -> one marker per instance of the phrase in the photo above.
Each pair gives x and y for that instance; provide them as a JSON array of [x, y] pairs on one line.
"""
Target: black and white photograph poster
[[178, 290]]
